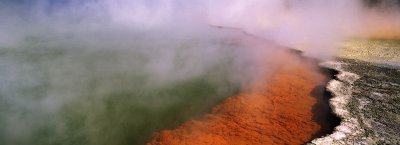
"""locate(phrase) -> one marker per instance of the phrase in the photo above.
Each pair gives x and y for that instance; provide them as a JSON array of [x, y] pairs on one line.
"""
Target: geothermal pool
[[84, 96], [123, 72], [52, 94], [289, 107]]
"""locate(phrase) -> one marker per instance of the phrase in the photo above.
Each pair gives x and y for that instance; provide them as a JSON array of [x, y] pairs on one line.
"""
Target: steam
[[112, 72]]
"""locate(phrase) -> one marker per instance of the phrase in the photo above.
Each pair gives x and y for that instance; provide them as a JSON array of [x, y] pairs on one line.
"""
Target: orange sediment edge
[[278, 112]]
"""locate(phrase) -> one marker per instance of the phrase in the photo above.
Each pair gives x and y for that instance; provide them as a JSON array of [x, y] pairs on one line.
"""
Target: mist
[[113, 72]]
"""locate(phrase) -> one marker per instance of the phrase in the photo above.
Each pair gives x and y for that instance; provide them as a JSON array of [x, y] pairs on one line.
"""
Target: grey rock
[[367, 99]]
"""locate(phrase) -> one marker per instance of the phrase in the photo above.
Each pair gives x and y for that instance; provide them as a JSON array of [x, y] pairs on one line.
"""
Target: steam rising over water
[[84, 95], [112, 72]]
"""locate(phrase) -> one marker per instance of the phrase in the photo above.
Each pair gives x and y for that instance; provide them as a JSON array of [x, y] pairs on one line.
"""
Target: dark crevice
[[322, 111]]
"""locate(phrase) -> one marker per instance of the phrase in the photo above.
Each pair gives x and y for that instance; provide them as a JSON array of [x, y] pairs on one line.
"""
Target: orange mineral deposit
[[277, 112]]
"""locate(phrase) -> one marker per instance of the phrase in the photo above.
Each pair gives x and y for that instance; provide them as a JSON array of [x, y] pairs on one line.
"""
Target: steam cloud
[[113, 71]]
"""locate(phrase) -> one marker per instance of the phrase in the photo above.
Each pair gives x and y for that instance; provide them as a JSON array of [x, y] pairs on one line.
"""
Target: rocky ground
[[366, 94], [382, 52]]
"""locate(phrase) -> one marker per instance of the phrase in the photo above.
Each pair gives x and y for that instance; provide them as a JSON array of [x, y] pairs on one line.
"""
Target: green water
[[76, 96]]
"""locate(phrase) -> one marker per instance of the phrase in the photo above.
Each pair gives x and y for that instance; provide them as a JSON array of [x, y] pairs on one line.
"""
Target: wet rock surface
[[367, 99]]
